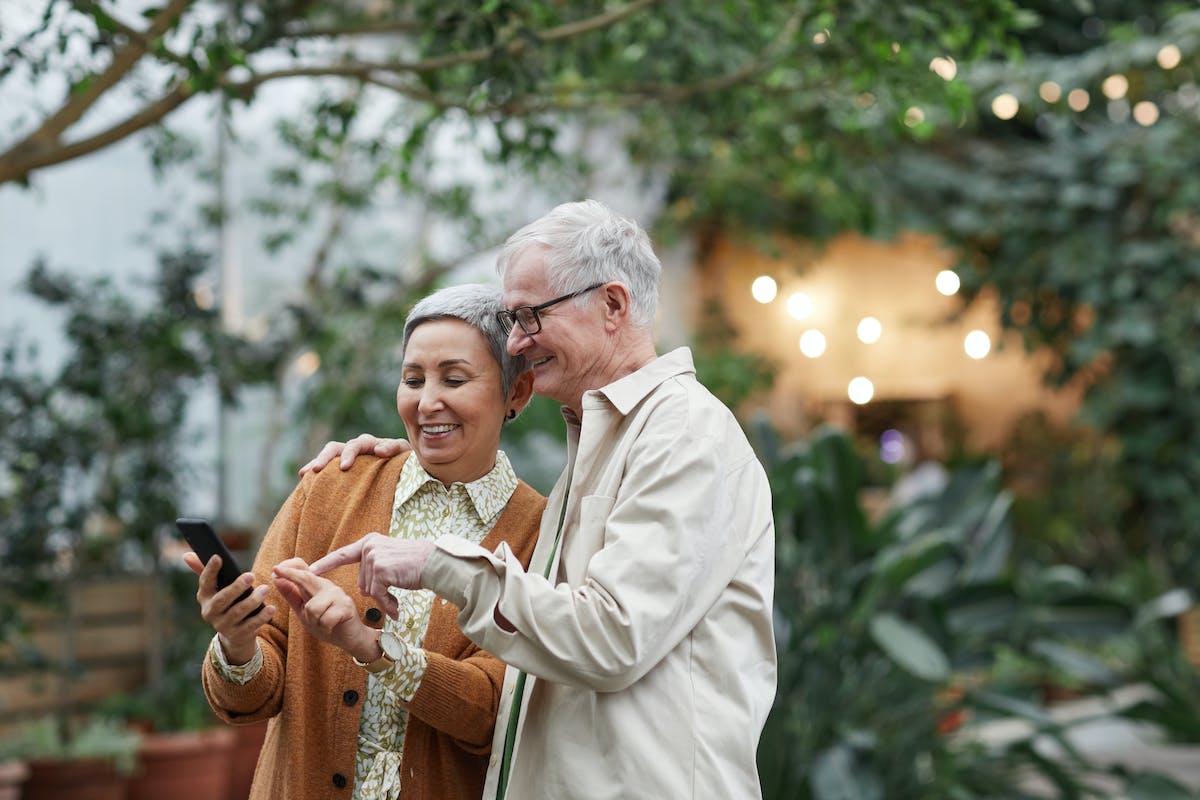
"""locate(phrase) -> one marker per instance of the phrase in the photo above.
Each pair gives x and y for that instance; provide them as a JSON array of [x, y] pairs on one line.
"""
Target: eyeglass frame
[[511, 319]]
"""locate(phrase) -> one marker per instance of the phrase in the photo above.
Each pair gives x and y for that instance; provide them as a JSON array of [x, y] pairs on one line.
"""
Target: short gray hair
[[588, 243], [476, 305]]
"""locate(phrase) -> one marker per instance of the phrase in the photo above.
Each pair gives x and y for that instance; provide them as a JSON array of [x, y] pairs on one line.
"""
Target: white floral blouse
[[423, 509]]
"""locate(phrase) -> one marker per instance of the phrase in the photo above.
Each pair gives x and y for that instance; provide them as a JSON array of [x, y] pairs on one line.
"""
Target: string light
[[1005, 106], [799, 306], [1145, 113], [1169, 57], [913, 117], [307, 364], [1050, 91], [1078, 99], [1115, 86], [869, 330], [947, 282], [812, 343], [764, 289], [977, 344], [860, 391], [944, 67]]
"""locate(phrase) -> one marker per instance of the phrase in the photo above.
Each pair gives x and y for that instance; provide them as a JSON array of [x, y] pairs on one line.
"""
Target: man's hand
[[324, 608], [363, 443], [384, 563]]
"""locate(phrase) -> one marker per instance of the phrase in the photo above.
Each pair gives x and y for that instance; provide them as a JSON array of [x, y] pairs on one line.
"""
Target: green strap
[[510, 734]]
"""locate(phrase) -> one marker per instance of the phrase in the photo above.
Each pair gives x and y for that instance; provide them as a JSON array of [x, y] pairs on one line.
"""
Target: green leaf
[[909, 647], [839, 775]]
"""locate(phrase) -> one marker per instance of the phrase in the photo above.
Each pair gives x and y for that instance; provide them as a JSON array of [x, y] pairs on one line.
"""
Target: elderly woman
[[394, 702]]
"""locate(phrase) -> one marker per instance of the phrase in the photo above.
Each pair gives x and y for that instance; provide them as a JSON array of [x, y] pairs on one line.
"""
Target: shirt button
[[339, 780], [374, 615], [349, 697], [492, 762], [411, 622]]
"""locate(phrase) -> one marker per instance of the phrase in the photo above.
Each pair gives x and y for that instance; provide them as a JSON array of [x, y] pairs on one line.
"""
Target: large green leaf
[[839, 774], [909, 647]]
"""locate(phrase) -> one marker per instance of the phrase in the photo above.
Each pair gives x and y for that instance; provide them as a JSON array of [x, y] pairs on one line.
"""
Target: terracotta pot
[[182, 766], [247, 743], [1189, 635], [82, 779], [12, 775]]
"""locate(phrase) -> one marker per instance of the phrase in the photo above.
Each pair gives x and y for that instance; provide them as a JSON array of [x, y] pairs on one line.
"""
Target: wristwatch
[[387, 641]]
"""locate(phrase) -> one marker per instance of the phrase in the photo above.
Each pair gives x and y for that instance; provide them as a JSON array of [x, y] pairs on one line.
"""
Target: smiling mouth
[[537, 362], [433, 430]]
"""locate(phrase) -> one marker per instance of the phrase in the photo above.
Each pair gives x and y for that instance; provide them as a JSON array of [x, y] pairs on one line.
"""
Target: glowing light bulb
[[1145, 113], [947, 282], [812, 343], [307, 364], [869, 330], [1115, 86], [860, 391], [799, 306], [977, 344], [764, 289], [1050, 91], [1005, 106], [1169, 57]]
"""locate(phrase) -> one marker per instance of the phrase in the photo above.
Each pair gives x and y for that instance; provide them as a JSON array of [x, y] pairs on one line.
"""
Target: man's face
[[566, 353]]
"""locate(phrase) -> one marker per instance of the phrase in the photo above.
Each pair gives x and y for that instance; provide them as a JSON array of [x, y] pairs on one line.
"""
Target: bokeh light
[[947, 282], [977, 344], [764, 289], [860, 391], [799, 306], [869, 330], [1005, 106], [812, 343]]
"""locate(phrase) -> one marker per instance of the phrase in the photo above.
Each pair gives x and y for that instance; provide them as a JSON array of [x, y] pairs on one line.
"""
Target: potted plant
[[91, 474], [86, 761]]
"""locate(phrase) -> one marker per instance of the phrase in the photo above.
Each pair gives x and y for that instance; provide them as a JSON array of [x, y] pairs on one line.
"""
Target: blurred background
[[941, 258]]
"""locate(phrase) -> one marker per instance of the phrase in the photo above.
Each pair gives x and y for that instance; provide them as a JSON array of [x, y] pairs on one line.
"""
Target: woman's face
[[450, 400]]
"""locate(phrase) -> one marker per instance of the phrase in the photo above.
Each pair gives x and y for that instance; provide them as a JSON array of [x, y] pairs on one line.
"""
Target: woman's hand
[[230, 617], [363, 443], [325, 610]]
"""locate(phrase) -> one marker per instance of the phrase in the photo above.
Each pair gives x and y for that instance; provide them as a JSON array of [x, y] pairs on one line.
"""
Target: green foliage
[[888, 628], [729, 373], [97, 737], [1083, 225], [92, 471]]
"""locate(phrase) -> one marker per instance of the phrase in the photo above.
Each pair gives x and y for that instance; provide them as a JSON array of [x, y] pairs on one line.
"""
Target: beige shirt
[[653, 645]]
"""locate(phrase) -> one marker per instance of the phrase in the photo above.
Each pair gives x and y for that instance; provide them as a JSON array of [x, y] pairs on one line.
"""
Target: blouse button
[[339, 780], [374, 615], [349, 697]]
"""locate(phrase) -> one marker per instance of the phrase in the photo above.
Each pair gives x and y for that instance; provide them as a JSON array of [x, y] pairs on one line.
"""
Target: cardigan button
[[339, 780], [349, 697], [374, 615]]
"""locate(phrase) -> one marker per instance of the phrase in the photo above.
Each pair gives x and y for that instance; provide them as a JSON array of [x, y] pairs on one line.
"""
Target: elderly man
[[640, 644]]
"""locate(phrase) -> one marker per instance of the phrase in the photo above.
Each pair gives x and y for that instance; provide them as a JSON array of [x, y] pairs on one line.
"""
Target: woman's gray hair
[[588, 243], [476, 305]]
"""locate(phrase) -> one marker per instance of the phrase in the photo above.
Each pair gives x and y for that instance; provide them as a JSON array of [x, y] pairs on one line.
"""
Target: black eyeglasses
[[527, 316]]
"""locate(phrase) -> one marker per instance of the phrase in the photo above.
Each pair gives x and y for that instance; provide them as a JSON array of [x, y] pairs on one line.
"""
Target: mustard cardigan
[[312, 691]]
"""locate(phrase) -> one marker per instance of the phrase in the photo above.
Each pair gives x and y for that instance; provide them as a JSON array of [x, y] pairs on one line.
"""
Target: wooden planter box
[[108, 651]]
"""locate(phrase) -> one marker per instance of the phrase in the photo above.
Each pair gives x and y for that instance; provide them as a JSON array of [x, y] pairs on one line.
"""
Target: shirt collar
[[489, 494], [627, 392]]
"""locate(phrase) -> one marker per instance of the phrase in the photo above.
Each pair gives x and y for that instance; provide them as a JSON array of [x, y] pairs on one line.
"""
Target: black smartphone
[[204, 540]]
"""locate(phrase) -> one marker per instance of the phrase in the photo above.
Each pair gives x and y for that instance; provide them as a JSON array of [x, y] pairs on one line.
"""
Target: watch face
[[393, 648]]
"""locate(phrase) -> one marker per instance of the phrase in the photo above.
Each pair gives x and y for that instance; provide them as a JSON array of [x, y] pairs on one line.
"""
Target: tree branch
[[18, 162], [361, 70], [123, 60]]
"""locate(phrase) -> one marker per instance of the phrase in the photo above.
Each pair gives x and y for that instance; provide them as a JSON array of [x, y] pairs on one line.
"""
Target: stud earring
[[512, 414]]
